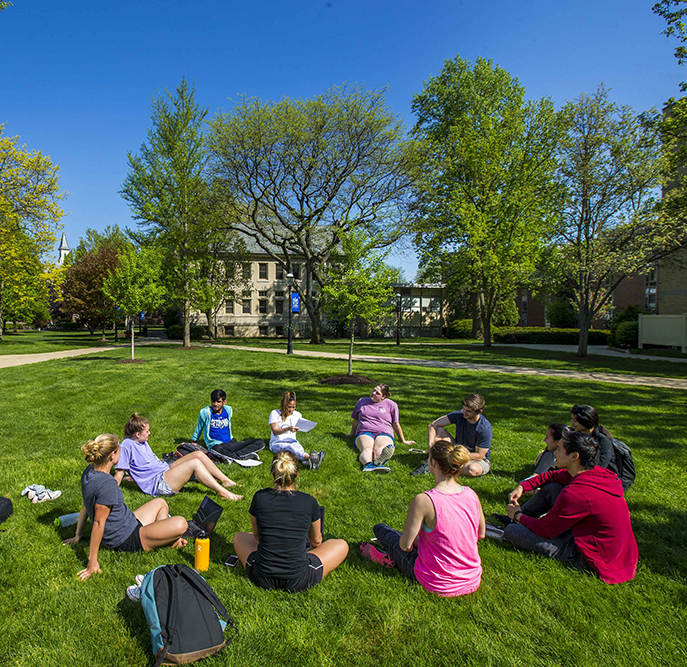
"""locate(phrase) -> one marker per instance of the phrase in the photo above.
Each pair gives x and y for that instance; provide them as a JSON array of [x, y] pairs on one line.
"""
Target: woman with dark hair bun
[[438, 545], [585, 419]]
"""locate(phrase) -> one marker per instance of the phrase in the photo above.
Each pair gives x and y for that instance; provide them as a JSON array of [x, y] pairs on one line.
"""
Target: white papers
[[247, 463], [305, 425]]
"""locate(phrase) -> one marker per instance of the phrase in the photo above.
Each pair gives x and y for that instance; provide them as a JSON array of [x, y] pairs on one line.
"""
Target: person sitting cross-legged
[[473, 431], [438, 546], [579, 516]]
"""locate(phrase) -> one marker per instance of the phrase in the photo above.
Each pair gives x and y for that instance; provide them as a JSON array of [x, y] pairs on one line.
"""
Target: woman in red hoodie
[[587, 524]]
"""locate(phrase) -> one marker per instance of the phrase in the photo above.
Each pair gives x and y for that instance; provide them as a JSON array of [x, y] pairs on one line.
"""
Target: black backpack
[[179, 606], [624, 462], [6, 508]]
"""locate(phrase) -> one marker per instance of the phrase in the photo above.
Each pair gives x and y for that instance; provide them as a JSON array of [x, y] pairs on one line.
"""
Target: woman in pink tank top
[[438, 545]]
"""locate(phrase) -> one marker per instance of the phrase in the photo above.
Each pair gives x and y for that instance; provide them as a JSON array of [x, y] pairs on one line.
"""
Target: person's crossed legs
[[206, 472]]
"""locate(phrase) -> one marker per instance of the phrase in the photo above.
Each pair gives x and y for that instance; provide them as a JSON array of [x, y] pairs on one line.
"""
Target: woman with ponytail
[[285, 551], [438, 545], [114, 524]]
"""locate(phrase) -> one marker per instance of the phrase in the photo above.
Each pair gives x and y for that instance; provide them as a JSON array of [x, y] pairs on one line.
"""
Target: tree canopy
[[294, 174], [486, 192]]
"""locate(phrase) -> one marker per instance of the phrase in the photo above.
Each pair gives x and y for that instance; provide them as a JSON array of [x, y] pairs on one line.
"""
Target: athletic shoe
[[139, 579], [384, 455], [134, 593], [370, 552], [494, 533], [502, 518], [315, 460], [369, 467], [422, 469]]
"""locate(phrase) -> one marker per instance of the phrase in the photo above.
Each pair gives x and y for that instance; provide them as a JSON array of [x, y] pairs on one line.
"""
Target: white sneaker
[[139, 579], [134, 593]]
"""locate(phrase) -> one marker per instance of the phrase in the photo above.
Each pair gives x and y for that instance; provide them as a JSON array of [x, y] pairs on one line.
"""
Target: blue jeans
[[389, 539]]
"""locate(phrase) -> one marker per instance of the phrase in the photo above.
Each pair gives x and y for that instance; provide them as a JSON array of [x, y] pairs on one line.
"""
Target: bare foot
[[230, 483], [228, 495], [180, 543]]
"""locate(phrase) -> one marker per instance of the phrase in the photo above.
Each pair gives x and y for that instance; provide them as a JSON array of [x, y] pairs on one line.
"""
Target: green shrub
[[172, 317], [506, 313], [630, 314], [626, 334], [561, 314], [176, 332], [460, 329], [545, 335]]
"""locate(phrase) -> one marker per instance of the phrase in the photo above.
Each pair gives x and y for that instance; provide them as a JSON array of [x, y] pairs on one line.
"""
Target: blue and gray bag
[[179, 606]]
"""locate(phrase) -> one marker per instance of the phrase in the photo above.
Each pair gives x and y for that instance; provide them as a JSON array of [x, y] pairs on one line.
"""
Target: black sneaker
[[315, 460], [422, 469], [502, 518]]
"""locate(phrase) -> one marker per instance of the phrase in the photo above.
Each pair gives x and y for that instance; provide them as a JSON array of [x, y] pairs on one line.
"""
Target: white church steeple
[[64, 250]]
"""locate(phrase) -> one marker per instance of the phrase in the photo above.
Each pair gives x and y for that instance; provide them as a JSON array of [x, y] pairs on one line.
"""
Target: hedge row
[[176, 332], [547, 335]]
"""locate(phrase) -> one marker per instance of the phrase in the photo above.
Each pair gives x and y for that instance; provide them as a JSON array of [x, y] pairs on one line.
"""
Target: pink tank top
[[448, 561]]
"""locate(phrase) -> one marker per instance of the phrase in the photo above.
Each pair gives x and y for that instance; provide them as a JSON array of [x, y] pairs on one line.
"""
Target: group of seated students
[[578, 514]]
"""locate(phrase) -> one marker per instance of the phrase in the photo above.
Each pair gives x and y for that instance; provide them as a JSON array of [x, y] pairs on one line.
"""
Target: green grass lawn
[[528, 610], [474, 353], [36, 342]]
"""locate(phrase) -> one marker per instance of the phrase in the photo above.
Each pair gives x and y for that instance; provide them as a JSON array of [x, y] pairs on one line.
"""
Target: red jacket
[[592, 506]]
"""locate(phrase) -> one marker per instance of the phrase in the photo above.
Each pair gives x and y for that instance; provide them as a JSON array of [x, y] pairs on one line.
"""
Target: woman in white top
[[283, 439]]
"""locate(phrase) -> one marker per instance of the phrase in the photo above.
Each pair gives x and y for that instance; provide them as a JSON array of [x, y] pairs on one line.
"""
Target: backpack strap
[[171, 612]]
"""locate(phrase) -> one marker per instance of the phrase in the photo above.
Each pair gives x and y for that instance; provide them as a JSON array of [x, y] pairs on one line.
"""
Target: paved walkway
[[637, 380]]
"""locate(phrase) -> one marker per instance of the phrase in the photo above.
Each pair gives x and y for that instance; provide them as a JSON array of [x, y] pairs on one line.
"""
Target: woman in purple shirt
[[375, 420]]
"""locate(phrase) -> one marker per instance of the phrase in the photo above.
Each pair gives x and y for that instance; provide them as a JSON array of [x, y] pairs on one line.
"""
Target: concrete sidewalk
[[616, 378]]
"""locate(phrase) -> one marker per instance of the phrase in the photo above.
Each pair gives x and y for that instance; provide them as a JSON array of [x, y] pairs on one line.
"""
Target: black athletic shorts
[[308, 580], [133, 542]]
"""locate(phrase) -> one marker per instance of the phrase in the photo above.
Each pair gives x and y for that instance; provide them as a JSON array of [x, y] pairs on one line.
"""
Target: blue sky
[[77, 77]]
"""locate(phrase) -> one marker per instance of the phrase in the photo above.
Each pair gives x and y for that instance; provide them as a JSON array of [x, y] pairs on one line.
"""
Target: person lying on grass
[[438, 545], [283, 439], [157, 478], [114, 524], [579, 516], [375, 420], [276, 554]]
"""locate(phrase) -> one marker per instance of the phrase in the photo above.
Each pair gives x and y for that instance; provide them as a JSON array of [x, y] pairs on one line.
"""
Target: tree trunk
[[315, 315], [585, 323], [132, 339], [350, 348], [485, 316], [104, 338], [187, 323], [2, 297], [212, 326]]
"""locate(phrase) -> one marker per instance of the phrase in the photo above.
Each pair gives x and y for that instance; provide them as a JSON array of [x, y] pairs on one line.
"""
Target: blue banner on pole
[[295, 302], [143, 315]]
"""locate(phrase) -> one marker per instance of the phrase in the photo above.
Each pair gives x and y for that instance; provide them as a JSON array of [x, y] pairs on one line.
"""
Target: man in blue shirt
[[473, 431]]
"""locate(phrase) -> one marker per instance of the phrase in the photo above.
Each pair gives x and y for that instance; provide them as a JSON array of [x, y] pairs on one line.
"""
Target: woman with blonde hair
[[114, 524], [285, 551], [438, 545]]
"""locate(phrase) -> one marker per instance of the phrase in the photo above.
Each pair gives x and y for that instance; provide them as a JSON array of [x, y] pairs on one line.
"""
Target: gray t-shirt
[[99, 488]]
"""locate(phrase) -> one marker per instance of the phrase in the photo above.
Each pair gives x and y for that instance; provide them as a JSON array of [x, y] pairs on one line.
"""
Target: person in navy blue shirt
[[473, 431]]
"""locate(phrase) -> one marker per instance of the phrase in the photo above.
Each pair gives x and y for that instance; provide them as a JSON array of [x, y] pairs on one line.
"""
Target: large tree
[[294, 174], [29, 207], [611, 165], [167, 192], [486, 194]]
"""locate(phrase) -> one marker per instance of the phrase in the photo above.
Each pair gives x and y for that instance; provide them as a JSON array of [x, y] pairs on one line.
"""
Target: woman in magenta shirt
[[438, 546], [375, 420]]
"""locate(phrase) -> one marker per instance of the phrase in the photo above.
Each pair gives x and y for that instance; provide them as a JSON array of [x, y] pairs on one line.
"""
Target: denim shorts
[[375, 434], [162, 488]]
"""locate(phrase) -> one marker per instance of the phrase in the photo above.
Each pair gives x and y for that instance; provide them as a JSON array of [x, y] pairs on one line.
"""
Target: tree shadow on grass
[[89, 357], [289, 377]]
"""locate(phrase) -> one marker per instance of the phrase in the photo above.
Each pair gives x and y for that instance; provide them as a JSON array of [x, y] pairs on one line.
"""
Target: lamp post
[[398, 319], [289, 346]]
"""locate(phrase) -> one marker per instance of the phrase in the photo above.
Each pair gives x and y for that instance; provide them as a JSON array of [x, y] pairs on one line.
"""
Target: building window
[[229, 307], [279, 330], [229, 330], [279, 307], [650, 291], [246, 306], [262, 271], [264, 330], [296, 271], [263, 294], [247, 271], [280, 272], [262, 306], [279, 295]]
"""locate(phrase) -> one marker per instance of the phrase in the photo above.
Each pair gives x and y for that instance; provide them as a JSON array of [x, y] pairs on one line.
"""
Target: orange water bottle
[[202, 559]]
